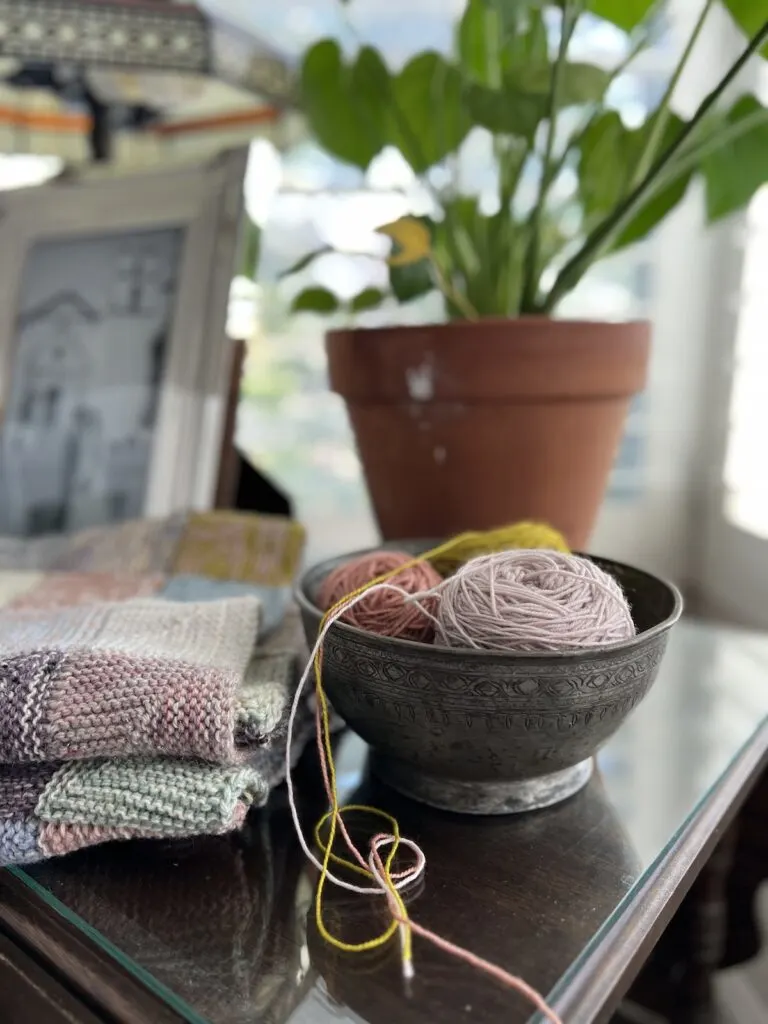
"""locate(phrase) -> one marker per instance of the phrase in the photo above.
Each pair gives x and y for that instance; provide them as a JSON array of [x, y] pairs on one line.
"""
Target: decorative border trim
[[161, 36]]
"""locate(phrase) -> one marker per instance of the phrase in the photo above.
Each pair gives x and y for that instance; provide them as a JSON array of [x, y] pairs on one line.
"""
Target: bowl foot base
[[481, 797]]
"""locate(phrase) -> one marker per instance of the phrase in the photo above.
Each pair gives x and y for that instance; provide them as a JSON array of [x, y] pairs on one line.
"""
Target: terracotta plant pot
[[470, 425]]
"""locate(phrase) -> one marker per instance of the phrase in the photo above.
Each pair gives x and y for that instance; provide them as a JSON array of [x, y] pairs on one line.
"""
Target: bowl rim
[[570, 653]]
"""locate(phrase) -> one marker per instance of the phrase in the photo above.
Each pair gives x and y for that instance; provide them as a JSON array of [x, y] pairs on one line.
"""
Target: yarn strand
[[378, 870]]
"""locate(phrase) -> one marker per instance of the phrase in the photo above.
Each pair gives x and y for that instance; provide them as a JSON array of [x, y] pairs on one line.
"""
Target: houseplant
[[503, 412]]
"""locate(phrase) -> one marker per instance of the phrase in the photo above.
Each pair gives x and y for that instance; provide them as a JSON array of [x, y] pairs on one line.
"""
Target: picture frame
[[114, 363]]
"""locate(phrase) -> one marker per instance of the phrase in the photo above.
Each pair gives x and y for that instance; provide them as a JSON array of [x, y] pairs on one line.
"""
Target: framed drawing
[[113, 363]]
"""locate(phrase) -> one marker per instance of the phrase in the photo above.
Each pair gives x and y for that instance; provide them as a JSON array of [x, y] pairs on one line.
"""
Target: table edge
[[596, 988], [76, 958]]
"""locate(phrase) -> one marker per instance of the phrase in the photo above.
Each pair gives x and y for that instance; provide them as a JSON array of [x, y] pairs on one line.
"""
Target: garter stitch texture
[[96, 800], [116, 680], [50, 810], [224, 545], [61, 806], [82, 675]]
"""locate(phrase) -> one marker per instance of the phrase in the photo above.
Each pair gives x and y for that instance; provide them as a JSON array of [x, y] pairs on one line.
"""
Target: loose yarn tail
[[374, 868]]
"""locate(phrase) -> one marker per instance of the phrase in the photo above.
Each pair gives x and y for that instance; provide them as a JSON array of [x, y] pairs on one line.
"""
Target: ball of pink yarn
[[384, 611], [528, 600]]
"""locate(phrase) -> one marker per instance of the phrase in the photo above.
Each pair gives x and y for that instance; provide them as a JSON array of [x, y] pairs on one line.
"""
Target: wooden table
[[573, 898]]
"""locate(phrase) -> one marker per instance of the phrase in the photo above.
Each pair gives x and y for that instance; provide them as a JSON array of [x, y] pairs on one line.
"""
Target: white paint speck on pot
[[439, 454], [420, 381]]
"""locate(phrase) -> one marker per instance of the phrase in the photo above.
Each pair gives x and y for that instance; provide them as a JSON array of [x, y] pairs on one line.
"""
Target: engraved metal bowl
[[483, 732]]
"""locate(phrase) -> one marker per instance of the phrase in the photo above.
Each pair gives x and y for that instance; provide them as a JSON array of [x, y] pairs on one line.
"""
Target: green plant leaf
[[749, 15], [468, 228], [411, 281], [655, 209], [523, 101], [527, 40], [498, 35], [482, 256], [315, 300], [304, 261], [461, 245], [428, 118], [509, 255], [479, 39], [627, 14], [653, 212], [505, 111], [735, 172], [579, 83], [609, 155], [368, 298], [345, 107], [370, 85]]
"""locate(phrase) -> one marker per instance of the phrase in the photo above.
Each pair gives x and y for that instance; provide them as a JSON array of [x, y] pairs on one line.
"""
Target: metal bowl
[[481, 732]]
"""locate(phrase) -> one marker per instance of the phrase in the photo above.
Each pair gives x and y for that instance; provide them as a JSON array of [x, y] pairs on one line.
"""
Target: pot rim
[[528, 319], [568, 654]]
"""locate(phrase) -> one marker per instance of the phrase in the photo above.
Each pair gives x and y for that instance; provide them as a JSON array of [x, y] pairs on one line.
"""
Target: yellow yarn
[[446, 558], [336, 811], [486, 542]]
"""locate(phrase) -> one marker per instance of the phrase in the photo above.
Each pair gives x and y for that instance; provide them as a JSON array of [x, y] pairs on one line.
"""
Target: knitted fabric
[[61, 806], [116, 680], [60, 589], [87, 802], [211, 634], [54, 809], [224, 545], [114, 685], [140, 547], [237, 546], [20, 789], [22, 590], [274, 600]]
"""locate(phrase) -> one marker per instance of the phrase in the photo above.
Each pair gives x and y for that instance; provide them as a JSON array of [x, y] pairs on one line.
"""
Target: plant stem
[[575, 140], [693, 155], [660, 118], [510, 166], [460, 301], [531, 263], [600, 238]]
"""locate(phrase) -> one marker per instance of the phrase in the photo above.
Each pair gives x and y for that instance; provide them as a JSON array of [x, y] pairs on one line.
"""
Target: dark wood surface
[[67, 954], [572, 898], [226, 485], [28, 993]]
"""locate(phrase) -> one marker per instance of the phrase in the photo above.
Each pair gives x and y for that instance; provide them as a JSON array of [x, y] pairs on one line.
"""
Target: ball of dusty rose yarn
[[384, 611]]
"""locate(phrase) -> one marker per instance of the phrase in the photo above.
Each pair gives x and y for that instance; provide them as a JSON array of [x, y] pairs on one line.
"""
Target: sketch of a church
[[51, 370], [74, 449]]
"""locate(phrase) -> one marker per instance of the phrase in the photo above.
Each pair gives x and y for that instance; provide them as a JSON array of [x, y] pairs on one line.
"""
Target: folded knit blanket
[[103, 683], [223, 545], [139, 678], [133, 702], [52, 809]]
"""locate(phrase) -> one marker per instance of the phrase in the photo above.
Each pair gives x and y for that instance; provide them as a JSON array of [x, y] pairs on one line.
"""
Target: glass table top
[[223, 928]]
